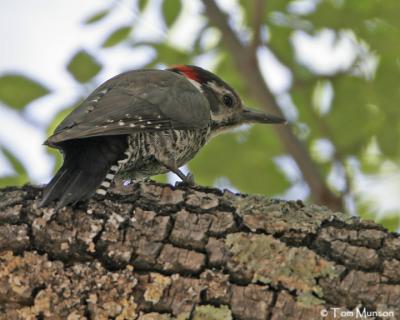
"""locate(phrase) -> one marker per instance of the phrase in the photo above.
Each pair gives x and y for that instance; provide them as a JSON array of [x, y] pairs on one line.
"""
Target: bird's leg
[[187, 179]]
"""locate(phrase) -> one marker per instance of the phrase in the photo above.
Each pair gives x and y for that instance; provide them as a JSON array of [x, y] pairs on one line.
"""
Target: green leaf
[[171, 10], [388, 138], [280, 43], [372, 158], [391, 221], [302, 97], [170, 55], [142, 4], [162, 178], [60, 116], [16, 164], [117, 36], [17, 90], [97, 16], [251, 169], [248, 10], [83, 66], [13, 181], [20, 177], [276, 5], [331, 15], [57, 156], [351, 122]]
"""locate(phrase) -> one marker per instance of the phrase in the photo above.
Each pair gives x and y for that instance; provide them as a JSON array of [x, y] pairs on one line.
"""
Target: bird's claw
[[187, 181]]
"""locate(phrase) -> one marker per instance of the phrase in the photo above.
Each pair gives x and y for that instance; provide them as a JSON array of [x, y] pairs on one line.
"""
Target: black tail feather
[[55, 187], [80, 187], [86, 163]]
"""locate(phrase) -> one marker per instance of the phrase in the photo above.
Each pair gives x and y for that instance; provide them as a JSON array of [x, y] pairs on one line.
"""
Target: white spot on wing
[[106, 184], [109, 176], [101, 192]]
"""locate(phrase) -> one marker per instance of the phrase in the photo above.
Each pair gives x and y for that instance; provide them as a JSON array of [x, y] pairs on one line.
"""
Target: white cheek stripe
[[221, 91], [196, 84], [217, 117], [217, 88]]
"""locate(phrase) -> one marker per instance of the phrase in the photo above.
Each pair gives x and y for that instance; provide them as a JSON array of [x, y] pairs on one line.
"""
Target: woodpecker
[[142, 123]]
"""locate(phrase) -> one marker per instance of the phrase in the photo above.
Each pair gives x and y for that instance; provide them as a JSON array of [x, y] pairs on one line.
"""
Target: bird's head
[[227, 109]]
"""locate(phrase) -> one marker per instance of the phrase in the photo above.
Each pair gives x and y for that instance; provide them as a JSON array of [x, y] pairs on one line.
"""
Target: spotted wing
[[136, 101]]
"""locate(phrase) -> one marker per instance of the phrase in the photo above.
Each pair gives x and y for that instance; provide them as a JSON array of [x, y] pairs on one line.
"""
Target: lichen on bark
[[153, 251]]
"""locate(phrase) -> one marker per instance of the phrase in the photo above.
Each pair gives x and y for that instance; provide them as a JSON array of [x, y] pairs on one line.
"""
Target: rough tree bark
[[153, 251]]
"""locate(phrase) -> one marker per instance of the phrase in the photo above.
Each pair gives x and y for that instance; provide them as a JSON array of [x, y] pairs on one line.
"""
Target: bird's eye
[[228, 100]]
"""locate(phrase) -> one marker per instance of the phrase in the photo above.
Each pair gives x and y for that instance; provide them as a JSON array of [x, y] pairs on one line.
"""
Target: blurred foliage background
[[342, 147]]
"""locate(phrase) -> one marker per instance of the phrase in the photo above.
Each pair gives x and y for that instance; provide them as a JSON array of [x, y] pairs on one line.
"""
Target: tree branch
[[258, 14], [247, 64], [153, 251]]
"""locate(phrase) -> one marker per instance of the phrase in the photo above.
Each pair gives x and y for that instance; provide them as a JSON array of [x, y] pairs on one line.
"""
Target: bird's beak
[[251, 116]]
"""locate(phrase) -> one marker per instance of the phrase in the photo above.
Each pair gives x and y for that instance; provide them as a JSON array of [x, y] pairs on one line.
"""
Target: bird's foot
[[187, 180], [127, 182]]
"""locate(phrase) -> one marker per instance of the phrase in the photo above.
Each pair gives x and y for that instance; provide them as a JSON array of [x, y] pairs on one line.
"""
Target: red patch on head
[[188, 72]]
